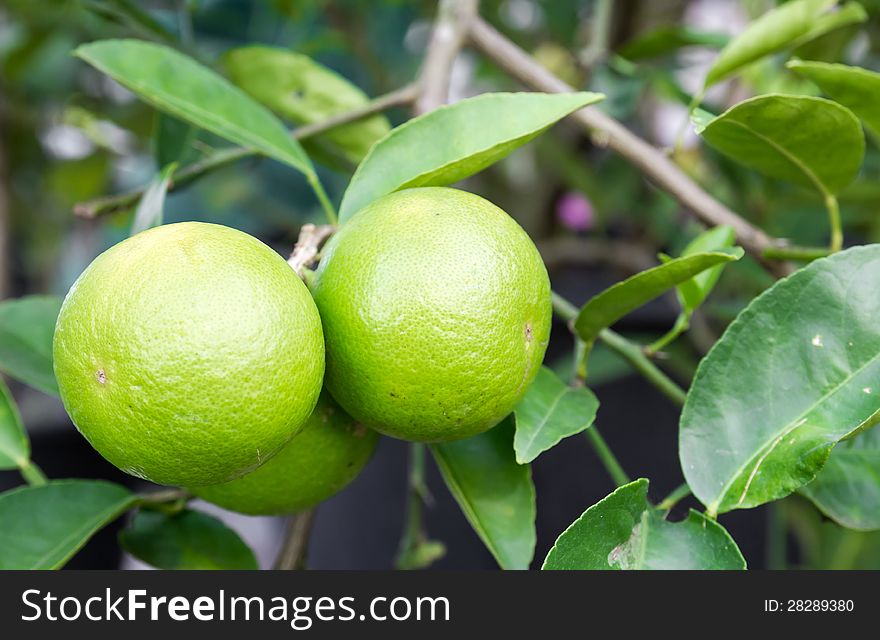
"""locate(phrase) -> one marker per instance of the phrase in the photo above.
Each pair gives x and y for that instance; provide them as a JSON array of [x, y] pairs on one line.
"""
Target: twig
[[296, 542], [608, 132], [308, 246], [194, 171], [447, 38], [628, 350], [676, 496], [609, 460]]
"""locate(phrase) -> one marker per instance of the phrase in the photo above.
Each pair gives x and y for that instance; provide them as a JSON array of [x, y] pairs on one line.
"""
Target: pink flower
[[575, 212]]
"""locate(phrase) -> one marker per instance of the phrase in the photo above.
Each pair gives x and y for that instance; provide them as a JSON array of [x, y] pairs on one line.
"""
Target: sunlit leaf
[[14, 445], [27, 326], [624, 531], [151, 208], [456, 141], [795, 373]]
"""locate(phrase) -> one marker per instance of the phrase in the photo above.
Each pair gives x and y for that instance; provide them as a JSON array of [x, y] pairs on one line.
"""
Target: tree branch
[[308, 246], [608, 132], [447, 38], [191, 173], [293, 551]]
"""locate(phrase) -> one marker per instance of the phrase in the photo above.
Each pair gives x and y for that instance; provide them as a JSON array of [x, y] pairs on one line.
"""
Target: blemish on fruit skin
[[101, 376], [528, 332]]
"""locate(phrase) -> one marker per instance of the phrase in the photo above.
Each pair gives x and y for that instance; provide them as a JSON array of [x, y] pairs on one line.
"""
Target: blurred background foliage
[[69, 134]]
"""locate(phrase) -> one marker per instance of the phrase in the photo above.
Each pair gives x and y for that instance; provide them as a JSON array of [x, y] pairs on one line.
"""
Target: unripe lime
[[189, 354], [320, 461], [436, 312]]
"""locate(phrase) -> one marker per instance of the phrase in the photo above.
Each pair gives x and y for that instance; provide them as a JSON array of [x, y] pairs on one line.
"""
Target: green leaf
[[666, 39], [849, 14], [809, 141], [611, 305], [847, 488], [788, 26], [549, 412], [855, 88], [185, 540], [14, 446], [624, 531], [53, 521], [27, 326], [693, 292], [454, 142], [304, 92], [793, 374], [182, 87], [173, 140], [150, 210], [495, 493]]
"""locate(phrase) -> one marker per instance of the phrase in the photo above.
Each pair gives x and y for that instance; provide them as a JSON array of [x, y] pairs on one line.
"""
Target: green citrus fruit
[[436, 312], [189, 354], [327, 454]]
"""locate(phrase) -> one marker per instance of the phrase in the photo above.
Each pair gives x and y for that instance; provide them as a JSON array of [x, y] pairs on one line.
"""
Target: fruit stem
[[836, 243], [293, 552], [612, 466]]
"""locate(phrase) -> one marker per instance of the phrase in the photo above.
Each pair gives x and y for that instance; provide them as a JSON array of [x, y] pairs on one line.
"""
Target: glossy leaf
[[27, 326], [847, 489], [54, 521], [785, 27], [606, 308], [793, 374], [304, 92], [182, 87], [151, 208], [14, 446], [185, 540], [624, 531], [454, 142], [550, 411], [694, 291], [809, 141], [666, 39], [855, 88], [495, 493]]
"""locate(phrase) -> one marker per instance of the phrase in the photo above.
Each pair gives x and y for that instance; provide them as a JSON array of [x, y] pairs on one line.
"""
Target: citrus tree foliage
[[785, 400]]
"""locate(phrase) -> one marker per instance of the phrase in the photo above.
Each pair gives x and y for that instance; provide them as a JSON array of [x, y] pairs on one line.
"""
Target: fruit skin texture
[[189, 354], [436, 311], [324, 457]]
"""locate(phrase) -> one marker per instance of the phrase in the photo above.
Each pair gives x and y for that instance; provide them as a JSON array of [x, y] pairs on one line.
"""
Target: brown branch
[[308, 245], [296, 542], [191, 173], [447, 38], [608, 132]]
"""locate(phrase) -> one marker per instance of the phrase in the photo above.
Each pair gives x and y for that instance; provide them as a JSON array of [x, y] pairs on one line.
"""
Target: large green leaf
[[26, 329], [14, 446], [43, 526], [856, 88], [624, 531], [495, 493], [797, 371], [847, 489], [786, 27], [179, 85], [304, 92], [186, 540], [549, 412], [802, 139], [611, 305], [454, 142]]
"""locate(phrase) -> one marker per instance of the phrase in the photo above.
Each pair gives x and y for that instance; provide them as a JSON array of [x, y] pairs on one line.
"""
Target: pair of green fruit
[[193, 355]]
